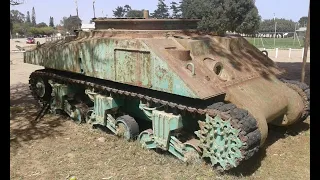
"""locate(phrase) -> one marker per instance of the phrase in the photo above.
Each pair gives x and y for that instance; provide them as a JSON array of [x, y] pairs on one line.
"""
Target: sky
[[288, 9]]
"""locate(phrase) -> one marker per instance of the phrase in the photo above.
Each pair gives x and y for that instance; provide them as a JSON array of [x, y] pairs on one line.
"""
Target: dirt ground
[[53, 147]]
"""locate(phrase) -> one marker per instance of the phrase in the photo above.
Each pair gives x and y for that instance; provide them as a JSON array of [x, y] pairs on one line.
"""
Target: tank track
[[239, 119], [304, 91]]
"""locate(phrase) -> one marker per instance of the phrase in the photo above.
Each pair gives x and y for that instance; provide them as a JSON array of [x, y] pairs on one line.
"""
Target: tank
[[165, 85]]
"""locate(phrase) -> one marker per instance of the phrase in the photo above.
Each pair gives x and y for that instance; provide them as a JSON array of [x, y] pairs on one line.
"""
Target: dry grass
[[54, 147]]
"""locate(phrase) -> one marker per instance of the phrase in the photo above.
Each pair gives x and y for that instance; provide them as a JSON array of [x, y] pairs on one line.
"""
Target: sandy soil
[[53, 147]]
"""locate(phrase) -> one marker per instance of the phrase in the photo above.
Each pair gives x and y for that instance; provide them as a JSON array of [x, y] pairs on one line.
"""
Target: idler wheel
[[40, 88], [304, 91]]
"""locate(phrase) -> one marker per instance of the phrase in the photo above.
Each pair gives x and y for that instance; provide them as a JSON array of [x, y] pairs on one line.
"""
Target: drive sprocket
[[229, 137], [220, 142]]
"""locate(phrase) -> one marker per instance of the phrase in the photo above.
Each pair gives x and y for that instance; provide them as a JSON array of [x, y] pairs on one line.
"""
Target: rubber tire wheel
[[130, 124]]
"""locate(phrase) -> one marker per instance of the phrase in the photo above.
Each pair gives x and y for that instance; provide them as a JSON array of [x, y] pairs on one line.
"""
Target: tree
[[127, 8], [21, 28], [303, 21], [240, 16], [71, 23], [16, 16], [135, 13], [283, 25], [33, 17], [16, 2], [119, 12], [176, 10], [42, 24], [28, 20], [51, 24], [63, 20], [41, 30], [162, 10]]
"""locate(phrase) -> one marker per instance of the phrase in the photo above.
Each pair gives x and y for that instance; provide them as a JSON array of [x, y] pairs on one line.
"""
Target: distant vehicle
[[30, 40]]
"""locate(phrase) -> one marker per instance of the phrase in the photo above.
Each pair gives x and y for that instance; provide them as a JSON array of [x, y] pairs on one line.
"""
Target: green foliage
[[42, 24], [223, 15], [162, 10], [135, 13], [16, 16], [21, 28], [51, 24], [189, 9], [303, 21], [21, 25], [126, 11], [33, 17], [28, 20], [176, 10], [119, 12], [71, 23], [28, 29], [41, 30], [127, 8], [250, 23], [283, 25]]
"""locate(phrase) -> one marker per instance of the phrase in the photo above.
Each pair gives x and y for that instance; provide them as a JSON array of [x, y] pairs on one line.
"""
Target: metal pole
[[306, 45], [294, 34], [275, 34], [77, 12], [77, 7], [275, 29], [94, 12]]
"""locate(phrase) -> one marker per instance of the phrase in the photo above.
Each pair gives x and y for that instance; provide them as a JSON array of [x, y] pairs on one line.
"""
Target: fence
[[56, 38], [272, 43], [51, 39], [288, 54], [272, 40]]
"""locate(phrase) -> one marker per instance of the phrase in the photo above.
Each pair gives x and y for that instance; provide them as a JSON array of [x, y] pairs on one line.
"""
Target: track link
[[304, 91], [240, 119]]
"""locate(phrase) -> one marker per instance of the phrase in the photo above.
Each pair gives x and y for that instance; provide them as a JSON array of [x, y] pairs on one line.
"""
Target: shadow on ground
[[20, 94], [25, 124], [293, 70]]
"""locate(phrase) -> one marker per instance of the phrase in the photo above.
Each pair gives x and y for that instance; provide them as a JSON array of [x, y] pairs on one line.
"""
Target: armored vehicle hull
[[206, 96]]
